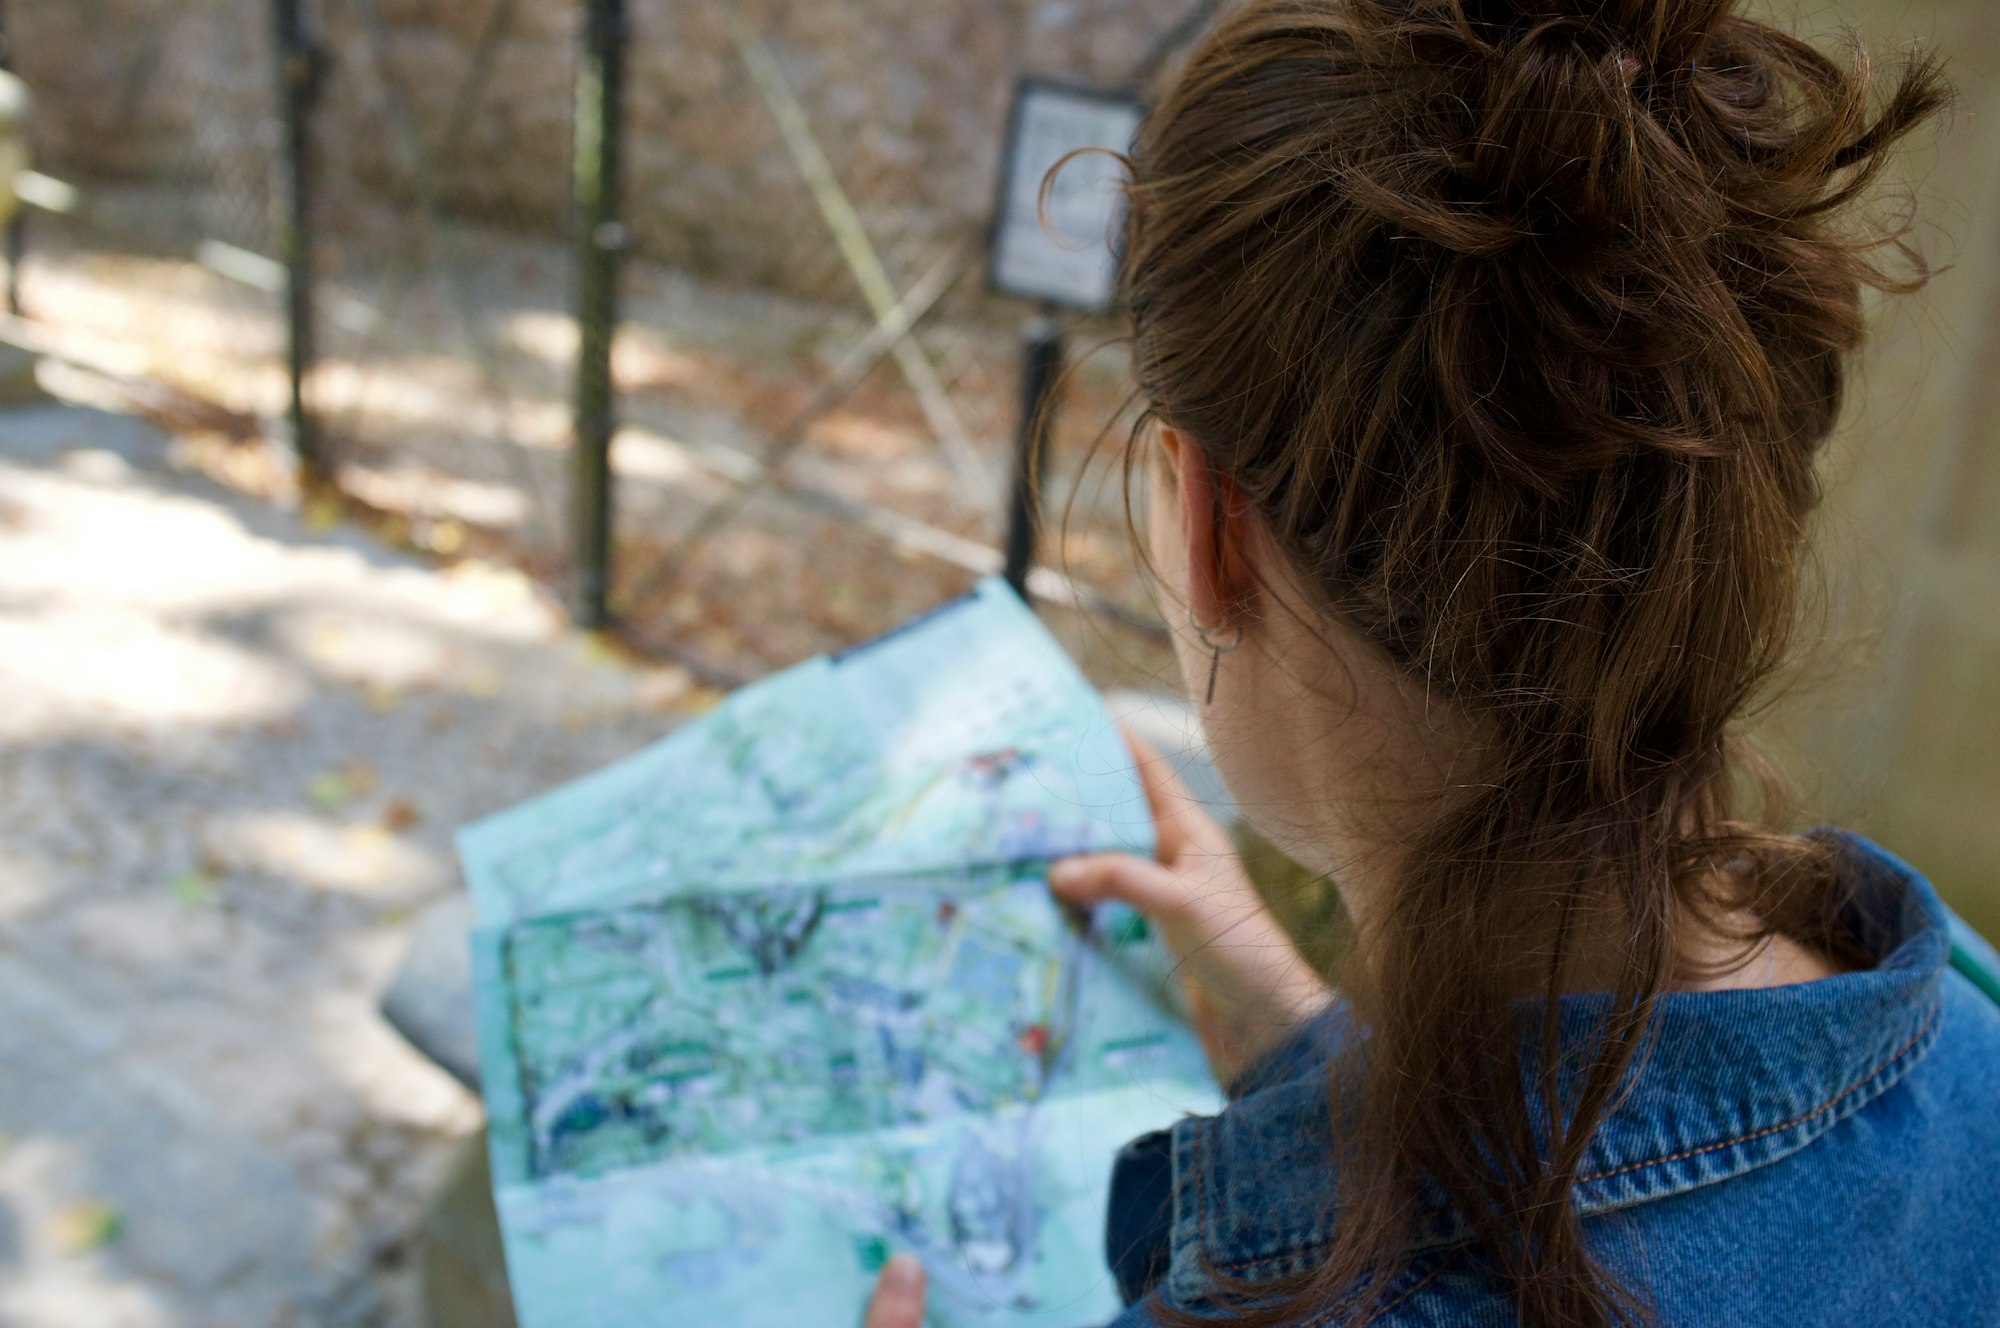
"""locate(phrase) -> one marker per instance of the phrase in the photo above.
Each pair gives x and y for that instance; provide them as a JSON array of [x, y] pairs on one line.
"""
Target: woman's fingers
[[1179, 820], [1092, 878], [898, 1301]]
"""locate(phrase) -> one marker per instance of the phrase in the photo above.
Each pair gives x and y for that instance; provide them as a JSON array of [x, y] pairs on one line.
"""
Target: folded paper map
[[785, 993]]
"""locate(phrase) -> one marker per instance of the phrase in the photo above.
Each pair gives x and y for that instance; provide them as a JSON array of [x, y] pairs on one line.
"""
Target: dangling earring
[[1217, 650]]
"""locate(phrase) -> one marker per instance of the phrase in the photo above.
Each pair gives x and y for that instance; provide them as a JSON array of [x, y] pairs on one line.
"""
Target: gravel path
[[232, 752]]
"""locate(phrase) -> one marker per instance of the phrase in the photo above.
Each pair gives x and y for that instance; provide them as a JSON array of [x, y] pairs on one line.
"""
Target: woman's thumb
[[898, 1301], [1092, 878]]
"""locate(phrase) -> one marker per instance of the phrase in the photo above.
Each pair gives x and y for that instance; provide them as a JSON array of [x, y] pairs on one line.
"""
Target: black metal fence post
[[298, 84], [17, 253], [1042, 353], [601, 245], [17, 226]]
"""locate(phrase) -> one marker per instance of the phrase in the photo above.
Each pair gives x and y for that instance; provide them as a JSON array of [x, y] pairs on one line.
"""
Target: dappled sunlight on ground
[[236, 744], [445, 396], [78, 654], [361, 857]]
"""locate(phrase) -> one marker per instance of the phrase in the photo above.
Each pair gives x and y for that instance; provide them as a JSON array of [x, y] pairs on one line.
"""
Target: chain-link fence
[[441, 388], [160, 273], [814, 393]]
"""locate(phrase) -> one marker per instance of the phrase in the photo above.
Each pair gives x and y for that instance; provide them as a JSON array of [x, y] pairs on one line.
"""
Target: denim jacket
[[1820, 1154]]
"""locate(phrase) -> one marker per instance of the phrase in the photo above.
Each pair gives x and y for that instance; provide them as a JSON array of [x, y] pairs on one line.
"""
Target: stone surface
[[430, 1000], [232, 756]]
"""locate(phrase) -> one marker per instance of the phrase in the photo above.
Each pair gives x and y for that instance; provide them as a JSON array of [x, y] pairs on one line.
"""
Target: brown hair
[[1520, 324]]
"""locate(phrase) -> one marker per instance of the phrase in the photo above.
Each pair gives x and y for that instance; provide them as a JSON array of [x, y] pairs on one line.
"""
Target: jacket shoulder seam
[[1782, 1126]]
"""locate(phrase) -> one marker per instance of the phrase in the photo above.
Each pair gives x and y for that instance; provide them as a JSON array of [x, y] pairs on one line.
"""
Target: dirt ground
[[234, 752]]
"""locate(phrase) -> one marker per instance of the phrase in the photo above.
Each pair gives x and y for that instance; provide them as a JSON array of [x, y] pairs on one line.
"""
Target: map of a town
[[787, 993]]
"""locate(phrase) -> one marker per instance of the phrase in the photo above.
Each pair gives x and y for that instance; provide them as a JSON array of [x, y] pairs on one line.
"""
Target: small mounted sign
[[1062, 254]]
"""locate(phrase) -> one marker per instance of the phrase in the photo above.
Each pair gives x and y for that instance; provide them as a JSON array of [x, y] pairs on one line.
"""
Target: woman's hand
[[898, 1301], [1247, 984]]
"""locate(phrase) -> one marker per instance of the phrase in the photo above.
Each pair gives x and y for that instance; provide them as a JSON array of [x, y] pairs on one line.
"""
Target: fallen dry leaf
[[330, 789], [320, 515], [401, 814], [482, 683], [700, 700], [445, 537], [85, 1226], [192, 889]]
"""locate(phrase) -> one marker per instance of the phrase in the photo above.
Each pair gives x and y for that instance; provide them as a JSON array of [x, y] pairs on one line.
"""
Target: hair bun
[[1621, 222], [1598, 136], [1577, 108], [1663, 34], [1557, 137]]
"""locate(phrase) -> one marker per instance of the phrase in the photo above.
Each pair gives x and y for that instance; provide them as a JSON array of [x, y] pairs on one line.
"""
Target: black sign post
[[1042, 356], [17, 226], [1054, 229], [600, 248], [298, 83]]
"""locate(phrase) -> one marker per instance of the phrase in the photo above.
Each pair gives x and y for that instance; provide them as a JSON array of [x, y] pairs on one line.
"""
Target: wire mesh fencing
[[863, 469], [442, 381], [813, 392], [162, 270]]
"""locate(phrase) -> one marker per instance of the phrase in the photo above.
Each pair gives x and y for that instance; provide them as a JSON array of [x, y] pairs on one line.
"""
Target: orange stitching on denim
[[1782, 1126]]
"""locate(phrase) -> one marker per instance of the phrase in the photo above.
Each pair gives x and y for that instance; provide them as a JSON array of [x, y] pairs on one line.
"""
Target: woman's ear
[[1214, 522]]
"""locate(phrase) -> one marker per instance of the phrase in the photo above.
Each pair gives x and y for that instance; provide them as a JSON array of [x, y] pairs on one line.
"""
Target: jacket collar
[[1731, 1081]]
